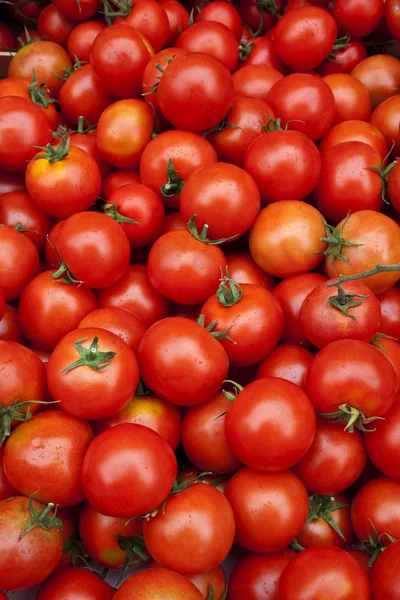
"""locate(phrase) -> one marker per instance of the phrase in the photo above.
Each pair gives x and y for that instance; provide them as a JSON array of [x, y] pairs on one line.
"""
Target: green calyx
[[54, 154], [353, 418], [90, 357], [379, 336], [340, 44], [174, 183], [41, 518], [343, 301], [39, 92], [141, 389], [374, 545], [116, 8], [15, 412], [231, 396], [202, 237], [229, 291], [335, 240], [28, 38], [135, 553], [218, 335], [245, 49], [63, 274], [112, 211], [78, 64], [222, 126], [153, 87], [321, 507]]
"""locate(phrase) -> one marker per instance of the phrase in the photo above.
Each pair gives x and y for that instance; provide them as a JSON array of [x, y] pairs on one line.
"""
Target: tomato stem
[[174, 183], [202, 237], [352, 417], [135, 553], [90, 357], [374, 545], [335, 240], [112, 211], [340, 44], [229, 291], [41, 518], [369, 273], [15, 412], [54, 154], [343, 301], [321, 507]]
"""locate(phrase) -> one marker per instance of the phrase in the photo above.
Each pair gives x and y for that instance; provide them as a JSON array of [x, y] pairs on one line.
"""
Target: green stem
[[229, 291], [174, 183], [202, 237], [90, 357], [112, 211], [41, 518]]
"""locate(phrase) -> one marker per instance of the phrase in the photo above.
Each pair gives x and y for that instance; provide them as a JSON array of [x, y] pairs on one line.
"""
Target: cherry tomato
[[153, 73], [213, 38], [355, 131], [345, 59], [117, 179], [77, 581], [85, 10], [243, 269], [380, 75], [260, 51], [127, 325], [31, 89], [382, 443], [54, 26], [154, 583], [10, 328], [214, 580], [81, 39], [386, 118], [328, 523], [352, 98]]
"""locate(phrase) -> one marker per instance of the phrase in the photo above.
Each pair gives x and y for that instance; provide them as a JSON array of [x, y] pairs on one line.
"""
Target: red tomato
[[386, 118], [92, 373], [213, 38], [178, 19], [392, 18], [385, 573], [243, 269], [128, 471], [27, 37], [193, 532], [390, 312], [260, 51], [377, 505], [256, 16], [270, 509], [394, 187], [2, 304], [19, 262], [355, 131], [351, 97], [18, 210], [214, 580], [255, 81], [174, 221], [156, 583], [380, 75], [288, 362], [150, 19], [87, 140], [118, 179], [153, 73], [345, 59], [327, 516], [6, 489], [31, 89], [78, 12], [7, 39], [10, 328], [357, 17], [54, 26], [128, 326], [222, 12], [81, 39], [80, 582], [382, 443]]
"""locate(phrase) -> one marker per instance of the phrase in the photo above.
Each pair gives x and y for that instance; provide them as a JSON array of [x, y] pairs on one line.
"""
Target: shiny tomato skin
[[20, 86], [152, 76], [214, 38], [345, 59], [54, 26], [178, 18], [255, 81], [194, 532], [56, 475], [42, 302], [334, 461], [270, 509], [261, 52], [117, 179], [377, 502], [385, 573], [383, 442], [324, 572], [243, 269], [390, 312], [174, 221], [81, 39], [195, 92], [352, 98], [215, 578], [357, 18], [150, 19], [19, 262], [222, 12], [286, 361], [6, 489], [128, 471], [380, 75], [85, 10], [355, 131], [319, 532], [128, 326], [17, 208], [386, 118], [23, 126], [181, 362], [153, 583], [77, 583], [88, 143], [255, 322]]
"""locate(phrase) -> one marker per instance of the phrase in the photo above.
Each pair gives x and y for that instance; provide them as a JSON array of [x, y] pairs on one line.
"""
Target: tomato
[[81, 39], [243, 269], [260, 51], [214, 580], [77, 581], [128, 471], [23, 126], [54, 26], [306, 101], [329, 314], [356, 17], [85, 10], [30, 89], [284, 251], [345, 59], [25, 13], [390, 312], [123, 131], [56, 474], [203, 436], [27, 37], [2, 304], [10, 328], [284, 164], [377, 238], [29, 556], [150, 19], [181, 362], [102, 537], [6, 489], [213, 38], [394, 187], [377, 505], [355, 131], [222, 12], [154, 583], [325, 572], [193, 532], [328, 523], [264, 16], [135, 293], [17, 209], [151, 412], [127, 325], [385, 581], [195, 92], [19, 262], [287, 361], [118, 57], [11, 182], [178, 19], [86, 140], [94, 247], [92, 373], [386, 118], [7, 39], [382, 443], [153, 73], [391, 349], [49, 61], [270, 509], [186, 151], [174, 221], [352, 98], [255, 81], [117, 179], [380, 74], [392, 18]]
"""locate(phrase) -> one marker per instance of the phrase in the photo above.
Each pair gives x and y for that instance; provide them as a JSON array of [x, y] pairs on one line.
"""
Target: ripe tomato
[[128, 326], [260, 51], [29, 556], [169, 159], [270, 509], [123, 131], [326, 572], [53, 475], [17, 209], [181, 362], [31, 89], [10, 328], [193, 532], [304, 37], [6, 489], [284, 164], [81, 39], [79, 582], [156, 583], [178, 19], [345, 59], [118, 57], [385, 580], [394, 187], [377, 505], [195, 92], [380, 75], [93, 373], [386, 118], [287, 361], [54, 26], [128, 471], [328, 523], [352, 98], [213, 38], [85, 10], [255, 81], [150, 19], [356, 17], [355, 131], [19, 262], [264, 16], [212, 581], [243, 269], [117, 179], [390, 312], [392, 18], [284, 251], [382, 443], [7, 39], [222, 12], [86, 139], [153, 73]]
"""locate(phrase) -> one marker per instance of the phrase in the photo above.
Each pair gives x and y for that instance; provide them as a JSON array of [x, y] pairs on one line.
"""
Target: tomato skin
[[304, 37], [127, 325], [320, 533], [148, 411], [262, 52], [386, 118], [377, 502], [282, 251], [120, 49], [256, 324], [214, 38], [392, 18], [54, 26], [384, 577], [194, 532], [10, 328], [6, 489], [326, 572], [216, 578], [222, 12], [355, 131], [174, 221], [55, 476], [380, 75], [128, 471], [117, 179], [18, 208], [135, 293], [357, 18], [382, 443], [352, 98], [255, 81], [75, 12], [42, 302], [188, 151], [207, 107], [76, 177], [81, 39], [243, 269], [20, 86], [77, 581], [390, 312], [19, 262], [123, 131], [99, 536], [334, 461], [104, 251], [203, 436], [394, 188], [346, 59], [178, 18], [181, 362], [30, 560], [287, 361], [23, 125], [152, 76], [151, 20], [7, 39], [88, 143], [257, 499], [152, 583]]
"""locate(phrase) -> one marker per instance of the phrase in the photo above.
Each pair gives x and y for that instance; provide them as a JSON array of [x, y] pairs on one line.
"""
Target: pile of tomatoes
[[199, 309]]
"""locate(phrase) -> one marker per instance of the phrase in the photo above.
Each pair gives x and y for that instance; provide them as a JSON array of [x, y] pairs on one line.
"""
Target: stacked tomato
[[199, 316]]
